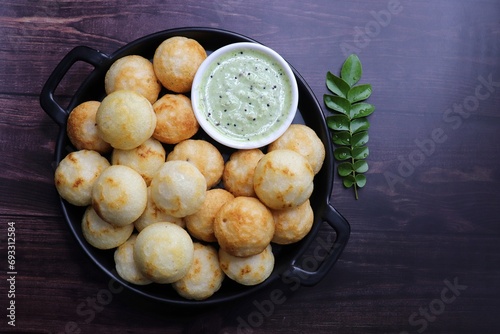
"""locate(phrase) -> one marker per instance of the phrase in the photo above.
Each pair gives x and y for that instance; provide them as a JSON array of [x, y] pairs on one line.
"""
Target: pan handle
[[326, 253], [47, 100]]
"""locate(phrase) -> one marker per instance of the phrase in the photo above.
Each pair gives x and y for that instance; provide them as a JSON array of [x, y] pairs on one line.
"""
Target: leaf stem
[[354, 175]]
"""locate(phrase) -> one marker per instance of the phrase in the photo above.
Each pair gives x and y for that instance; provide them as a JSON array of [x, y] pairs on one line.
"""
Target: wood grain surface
[[424, 251]]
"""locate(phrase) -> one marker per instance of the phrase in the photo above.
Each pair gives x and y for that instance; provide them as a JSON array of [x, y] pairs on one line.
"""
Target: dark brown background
[[424, 218]]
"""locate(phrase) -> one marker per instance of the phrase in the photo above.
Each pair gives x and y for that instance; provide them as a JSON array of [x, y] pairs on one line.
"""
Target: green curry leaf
[[338, 122], [359, 93], [338, 104], [360, 166], [359, 124], [361, 109], [348, 123], [358, 139], [351, 70], [341, 138], [360, 180], [342, 153], [349, 181], [337, 85], [359, 152], [345, 168]]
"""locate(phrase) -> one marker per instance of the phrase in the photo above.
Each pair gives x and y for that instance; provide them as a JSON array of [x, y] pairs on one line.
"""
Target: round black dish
[[287, 258]]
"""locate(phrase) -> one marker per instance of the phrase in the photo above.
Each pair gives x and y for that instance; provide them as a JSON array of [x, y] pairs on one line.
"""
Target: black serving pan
[[293, 263]]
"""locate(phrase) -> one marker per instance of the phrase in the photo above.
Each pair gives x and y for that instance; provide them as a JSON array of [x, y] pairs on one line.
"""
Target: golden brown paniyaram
[[203, 155], [135, 73], [293, 224], [204, 277], [163, 252], [239, 170], [76, 173], [119, 195], [178, 188], [250, 270], [125, 119], [101, 234], [125, 264], [175, 119], [82, 130], [152, 214], [283, 179], [244, 226], [144, 159], [302, 139], [201, 224], [176, 61]]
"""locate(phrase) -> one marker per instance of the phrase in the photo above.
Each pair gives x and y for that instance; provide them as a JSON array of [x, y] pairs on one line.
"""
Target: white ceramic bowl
[[244, 95]]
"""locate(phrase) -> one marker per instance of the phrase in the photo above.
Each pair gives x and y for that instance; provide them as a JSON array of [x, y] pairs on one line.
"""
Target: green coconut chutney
[[245, 94]]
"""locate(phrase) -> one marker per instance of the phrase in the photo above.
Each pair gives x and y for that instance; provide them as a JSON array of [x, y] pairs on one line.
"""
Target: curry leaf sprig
[[349, 123]]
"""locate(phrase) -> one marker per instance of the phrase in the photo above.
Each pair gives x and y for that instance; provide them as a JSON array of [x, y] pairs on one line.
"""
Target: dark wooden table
[[424, 252]]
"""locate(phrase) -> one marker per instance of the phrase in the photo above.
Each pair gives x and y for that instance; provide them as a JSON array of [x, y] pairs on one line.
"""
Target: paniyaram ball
[[152, 214], [119, 195], [203, 155], [244, 226], [302, 139], [293, 224], [125, 119], [176, 61], [125, 264], [178, 188], [163, 252], [175, 119], [250, 270], [239, 170], [76, 173], [82, 129], [204, 277], [101, 234], [135, 73], [201, 224], [144, 159], [283, 179]]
